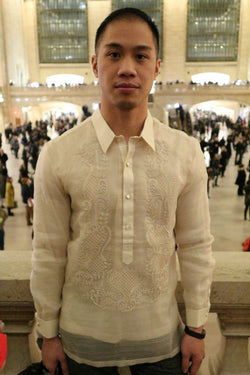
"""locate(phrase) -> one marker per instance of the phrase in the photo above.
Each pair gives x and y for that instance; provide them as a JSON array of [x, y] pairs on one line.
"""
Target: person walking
[[107, 220]]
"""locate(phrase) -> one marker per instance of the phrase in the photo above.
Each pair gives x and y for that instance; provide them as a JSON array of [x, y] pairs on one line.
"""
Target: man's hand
[[52, 353], [193, 352]]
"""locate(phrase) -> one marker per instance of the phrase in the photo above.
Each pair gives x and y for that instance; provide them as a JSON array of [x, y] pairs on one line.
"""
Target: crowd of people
[[220, 149], [26, 142]]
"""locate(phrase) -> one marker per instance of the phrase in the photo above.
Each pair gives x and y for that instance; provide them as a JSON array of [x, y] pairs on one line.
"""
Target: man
[[109, 196], [3, 157]]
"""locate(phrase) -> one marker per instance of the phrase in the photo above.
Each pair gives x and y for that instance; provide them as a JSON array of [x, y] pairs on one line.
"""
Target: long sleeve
[[194, 241], [51, 234]]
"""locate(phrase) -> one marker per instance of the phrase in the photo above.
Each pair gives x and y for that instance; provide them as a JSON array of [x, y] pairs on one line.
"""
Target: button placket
[[128, 206]]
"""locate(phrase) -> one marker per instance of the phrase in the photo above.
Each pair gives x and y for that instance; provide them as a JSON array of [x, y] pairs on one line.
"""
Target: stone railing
[[228, 327], [164, 94], [21, 91]]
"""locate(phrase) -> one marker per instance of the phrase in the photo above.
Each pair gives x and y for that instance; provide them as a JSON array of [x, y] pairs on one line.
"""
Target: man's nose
[[127, 67]]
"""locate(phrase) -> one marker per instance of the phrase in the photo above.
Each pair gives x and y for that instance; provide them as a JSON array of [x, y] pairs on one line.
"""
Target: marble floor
[[226, 207]]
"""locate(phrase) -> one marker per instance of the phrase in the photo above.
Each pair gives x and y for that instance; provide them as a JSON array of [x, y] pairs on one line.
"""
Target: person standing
[[3, 177], [9, 195], [216, 166], [3, 217], [107, 220], [223, 160], [241, 179], [3, 157], [247, 199], [15, 145], [27, 192]]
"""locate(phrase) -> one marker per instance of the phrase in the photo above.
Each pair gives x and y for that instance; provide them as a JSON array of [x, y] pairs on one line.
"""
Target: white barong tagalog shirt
[[107, 217]]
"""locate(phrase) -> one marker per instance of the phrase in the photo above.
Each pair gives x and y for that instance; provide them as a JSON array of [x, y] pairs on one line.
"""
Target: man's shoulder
[[164, 132], [72, 136]]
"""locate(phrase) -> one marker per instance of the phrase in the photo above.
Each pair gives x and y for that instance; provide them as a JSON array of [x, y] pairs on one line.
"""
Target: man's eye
[[114, 55], [141, 57]]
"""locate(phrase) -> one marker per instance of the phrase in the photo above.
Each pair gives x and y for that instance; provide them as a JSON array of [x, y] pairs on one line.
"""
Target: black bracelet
[[197, 335]]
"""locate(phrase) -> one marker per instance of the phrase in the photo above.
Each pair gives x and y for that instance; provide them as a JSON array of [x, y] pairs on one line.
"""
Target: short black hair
[[127, 13]]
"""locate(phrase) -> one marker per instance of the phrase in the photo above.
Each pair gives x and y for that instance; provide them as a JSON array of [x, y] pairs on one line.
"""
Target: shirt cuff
[[48, 329], [196, 318]]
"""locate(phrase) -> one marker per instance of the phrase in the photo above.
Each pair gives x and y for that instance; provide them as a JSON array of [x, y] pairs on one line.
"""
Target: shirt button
[[128, 164], [128, 196]]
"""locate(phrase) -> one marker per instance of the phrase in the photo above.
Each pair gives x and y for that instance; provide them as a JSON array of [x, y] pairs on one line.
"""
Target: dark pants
[[2, 239], [247, 206], [240, 190], [10, 213], [170, 366]]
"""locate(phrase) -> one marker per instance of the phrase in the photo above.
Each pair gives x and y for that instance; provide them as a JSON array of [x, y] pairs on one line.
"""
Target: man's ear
[[157, 67], [94, 65]]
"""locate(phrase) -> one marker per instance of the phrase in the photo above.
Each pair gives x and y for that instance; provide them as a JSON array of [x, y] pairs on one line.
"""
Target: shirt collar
[[105, 135]]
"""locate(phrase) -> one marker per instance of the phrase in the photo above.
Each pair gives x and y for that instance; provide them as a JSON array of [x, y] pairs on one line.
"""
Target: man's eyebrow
[[143, 47], [139, 47], [116, 45]]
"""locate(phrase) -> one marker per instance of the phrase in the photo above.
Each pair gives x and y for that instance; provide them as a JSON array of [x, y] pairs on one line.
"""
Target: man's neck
[[128, 123]]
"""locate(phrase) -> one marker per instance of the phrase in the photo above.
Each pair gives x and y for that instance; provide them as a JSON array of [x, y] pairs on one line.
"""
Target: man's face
[[126, 64]]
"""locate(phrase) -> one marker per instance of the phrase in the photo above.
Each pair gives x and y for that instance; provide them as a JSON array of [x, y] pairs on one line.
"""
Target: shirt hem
[[122, 363]]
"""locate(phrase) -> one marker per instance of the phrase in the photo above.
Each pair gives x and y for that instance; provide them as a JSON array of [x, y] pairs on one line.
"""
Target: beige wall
[[20, 55], [30, 40], [244, 41], [17, 58], [174, 40], [22, 50], [84, 70]]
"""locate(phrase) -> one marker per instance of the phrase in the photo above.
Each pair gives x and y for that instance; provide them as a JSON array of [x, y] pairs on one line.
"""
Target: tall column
[[6, 105], [244, 42]]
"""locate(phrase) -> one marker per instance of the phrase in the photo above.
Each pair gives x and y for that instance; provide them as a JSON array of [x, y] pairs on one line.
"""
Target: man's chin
[[126, 105]]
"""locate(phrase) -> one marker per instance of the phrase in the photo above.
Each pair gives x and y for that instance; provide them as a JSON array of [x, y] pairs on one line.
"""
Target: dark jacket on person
[[241, 177]]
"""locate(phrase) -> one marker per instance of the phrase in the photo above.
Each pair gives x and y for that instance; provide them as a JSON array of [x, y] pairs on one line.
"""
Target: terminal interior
[[205, 79]]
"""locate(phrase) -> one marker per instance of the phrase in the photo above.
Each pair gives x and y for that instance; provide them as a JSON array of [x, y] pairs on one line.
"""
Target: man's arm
[[51, 234], [195, 256]]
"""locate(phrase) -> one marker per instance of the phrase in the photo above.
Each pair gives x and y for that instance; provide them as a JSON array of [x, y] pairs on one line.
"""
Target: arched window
[[62, 31], [212, 30]]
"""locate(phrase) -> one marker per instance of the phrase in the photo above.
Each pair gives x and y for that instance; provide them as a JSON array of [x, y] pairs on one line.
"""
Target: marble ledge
[[229, 265], [230, 297], [232, 266], [15, 270]]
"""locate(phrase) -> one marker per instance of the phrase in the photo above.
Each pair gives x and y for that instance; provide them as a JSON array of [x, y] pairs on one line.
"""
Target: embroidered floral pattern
[[98, 276]]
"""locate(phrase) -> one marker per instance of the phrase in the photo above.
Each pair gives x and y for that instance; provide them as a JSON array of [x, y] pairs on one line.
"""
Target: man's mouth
[[126, 87]]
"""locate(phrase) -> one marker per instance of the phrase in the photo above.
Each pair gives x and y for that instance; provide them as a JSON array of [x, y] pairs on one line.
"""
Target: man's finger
[[63, 367], [185, 364], [196, 363]]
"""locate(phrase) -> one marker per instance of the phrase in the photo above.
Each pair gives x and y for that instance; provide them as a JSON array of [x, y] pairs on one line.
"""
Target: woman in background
[[9, 195]]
